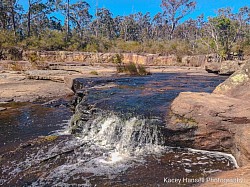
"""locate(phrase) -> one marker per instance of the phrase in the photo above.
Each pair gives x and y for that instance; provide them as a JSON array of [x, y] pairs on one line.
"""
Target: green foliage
[[94, 73], [52, 40], [142, 70], [33, 57], [117, 59], [132, 69], [7, 39], [14, 53]]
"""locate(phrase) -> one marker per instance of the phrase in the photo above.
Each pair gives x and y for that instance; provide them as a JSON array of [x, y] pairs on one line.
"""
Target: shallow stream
[[120, 144]]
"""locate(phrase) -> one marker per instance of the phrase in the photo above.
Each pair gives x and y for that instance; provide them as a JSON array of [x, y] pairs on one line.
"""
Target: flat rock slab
[[32, 90], [53, 75]]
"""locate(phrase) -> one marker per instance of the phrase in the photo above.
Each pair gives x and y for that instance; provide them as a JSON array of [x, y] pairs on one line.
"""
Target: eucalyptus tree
[[37, 16], [157, 26], [103, 25], [64, 7], [80, 16], [175, 10], [144, 26], [226, 30], [10, 14]]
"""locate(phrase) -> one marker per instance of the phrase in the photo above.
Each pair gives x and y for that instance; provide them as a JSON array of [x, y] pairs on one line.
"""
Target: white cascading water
[[107, 146], [133, 136], [111, 145]]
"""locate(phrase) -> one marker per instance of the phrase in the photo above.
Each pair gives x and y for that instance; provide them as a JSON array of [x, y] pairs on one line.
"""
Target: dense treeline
[[38, 27]]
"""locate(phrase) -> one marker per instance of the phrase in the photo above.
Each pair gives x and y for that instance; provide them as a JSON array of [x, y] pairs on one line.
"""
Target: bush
[[33, 58], [132, 69], [7, 39], [117, 59], [52, 40], [15, 54], [94, 73], [142, 70]]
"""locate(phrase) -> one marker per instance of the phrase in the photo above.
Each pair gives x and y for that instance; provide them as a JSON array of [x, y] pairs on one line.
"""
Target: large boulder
[[229, 67], [237, 85], [225, 67], [219, 121], [212, 67], [194, 61], [211, 122]]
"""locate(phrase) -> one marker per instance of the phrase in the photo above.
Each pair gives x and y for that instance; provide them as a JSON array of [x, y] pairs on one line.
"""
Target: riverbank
[[30, 86]]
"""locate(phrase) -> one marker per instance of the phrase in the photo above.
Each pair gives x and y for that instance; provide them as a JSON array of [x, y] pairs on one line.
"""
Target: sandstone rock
[[211, 122], [194, 61], [218, 121], [241, 176], [237, 85], [53, 75], [212, 67], [229, 67]]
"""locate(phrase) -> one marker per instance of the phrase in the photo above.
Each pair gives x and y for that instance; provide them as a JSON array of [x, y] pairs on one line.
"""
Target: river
[[115, 137]]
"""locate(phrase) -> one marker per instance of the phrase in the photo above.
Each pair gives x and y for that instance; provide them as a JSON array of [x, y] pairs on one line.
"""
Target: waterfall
[[132, 136]]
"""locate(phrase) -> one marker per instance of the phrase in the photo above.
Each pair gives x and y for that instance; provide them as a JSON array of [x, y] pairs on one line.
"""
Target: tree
[[175, 10], [36, 17], [103, 25], [225, 30], [9, 14]]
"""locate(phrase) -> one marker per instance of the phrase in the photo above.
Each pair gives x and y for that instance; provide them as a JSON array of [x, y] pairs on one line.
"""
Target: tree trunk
[[67, 21], [13, 17], [29, 18]]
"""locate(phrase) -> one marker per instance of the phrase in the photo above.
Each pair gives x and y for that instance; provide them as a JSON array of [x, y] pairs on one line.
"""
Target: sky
[[125, 7]]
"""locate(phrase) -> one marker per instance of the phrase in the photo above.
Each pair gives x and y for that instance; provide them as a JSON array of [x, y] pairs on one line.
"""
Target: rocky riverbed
[[112, 120]]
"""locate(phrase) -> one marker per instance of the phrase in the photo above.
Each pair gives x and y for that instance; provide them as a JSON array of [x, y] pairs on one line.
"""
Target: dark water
[[24, 121], [147, 96], [110, 150]]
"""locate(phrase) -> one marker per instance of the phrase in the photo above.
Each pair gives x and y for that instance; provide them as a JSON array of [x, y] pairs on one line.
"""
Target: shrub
[[132, 69], [117, 59], [94, 73], [142, 70], [15, 53], [33, 58], [52, 40]]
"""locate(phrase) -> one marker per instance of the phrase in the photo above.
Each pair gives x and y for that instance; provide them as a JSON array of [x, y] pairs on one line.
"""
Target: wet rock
[[6, 100], [235, 178], [56, 103]]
